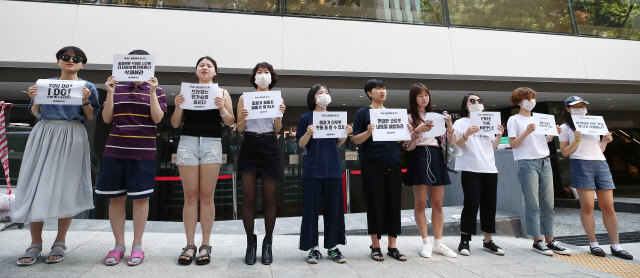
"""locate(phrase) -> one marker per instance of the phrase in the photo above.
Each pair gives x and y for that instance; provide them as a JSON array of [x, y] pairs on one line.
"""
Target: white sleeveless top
[[263, 125]]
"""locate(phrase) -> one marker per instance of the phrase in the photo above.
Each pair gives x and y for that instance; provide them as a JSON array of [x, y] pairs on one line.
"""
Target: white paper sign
[[133, 67], [294, 159], [224, 158], [330, 125], [545, 124], [593, 125], [350, 155], [488, 122], [262, 104], [174, 158], [63, 92], [438, 122], [391, 124], [199, 96]]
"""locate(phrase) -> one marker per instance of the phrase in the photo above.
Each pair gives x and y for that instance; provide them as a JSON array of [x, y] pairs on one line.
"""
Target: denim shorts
[[591, 174], [193, 150]]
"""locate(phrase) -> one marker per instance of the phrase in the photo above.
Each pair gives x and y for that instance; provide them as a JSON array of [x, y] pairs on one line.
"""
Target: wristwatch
[[87, 103]]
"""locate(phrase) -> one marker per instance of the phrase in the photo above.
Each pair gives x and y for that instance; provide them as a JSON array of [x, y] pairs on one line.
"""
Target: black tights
[[249, 186]]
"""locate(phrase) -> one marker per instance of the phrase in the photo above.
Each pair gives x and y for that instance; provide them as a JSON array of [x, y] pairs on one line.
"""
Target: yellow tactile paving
[[608, 265]]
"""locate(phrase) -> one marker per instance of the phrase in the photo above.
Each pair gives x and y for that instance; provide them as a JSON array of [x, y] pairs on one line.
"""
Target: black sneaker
[[493, 248], [597, 251], [541, 248], [314, 256], [556, 248], [337, 256], [622, 254], [463, 248]]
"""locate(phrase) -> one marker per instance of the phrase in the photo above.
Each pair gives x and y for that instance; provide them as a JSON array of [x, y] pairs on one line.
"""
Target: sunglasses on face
[[473, 101], [66, 58]]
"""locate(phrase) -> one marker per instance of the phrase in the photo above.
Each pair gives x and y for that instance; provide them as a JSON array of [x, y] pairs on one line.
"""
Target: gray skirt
[[55, 175]]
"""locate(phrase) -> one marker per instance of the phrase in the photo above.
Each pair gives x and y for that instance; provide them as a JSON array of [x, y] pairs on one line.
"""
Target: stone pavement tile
[[297, 263], [488, 271], [556, 267], [180, 239], [518, 269], [247, 273], [293, 273], [594, 273], [453, 272], [379, 272], [333, 273], [220, 241], [417, 273]]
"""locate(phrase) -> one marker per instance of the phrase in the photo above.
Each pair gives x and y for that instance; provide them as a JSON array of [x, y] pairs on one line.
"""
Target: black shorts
[[135, 178]]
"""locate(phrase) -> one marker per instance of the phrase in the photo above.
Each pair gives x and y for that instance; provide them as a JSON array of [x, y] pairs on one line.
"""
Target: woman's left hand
[[85, 95], [282, 108], [607, 138], [349, 130], [501, 128]]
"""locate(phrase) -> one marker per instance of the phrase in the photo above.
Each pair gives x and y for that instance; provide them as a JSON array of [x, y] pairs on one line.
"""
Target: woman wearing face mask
[[199, 160], [322, 182], [589, 172], [427, 171], [479, 177], [55, 174], [531, 152], [259, 157]]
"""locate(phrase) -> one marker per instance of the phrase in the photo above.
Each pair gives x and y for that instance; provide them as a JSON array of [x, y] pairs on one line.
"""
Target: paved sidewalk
[[86, 251]]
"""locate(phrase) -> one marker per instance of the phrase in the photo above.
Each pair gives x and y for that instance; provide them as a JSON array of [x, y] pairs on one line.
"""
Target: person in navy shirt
[[322, 182]]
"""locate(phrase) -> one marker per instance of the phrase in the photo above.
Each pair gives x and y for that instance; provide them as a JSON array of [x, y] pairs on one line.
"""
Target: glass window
[[409, 11], [530, 15], [245, 6], [607, 18]]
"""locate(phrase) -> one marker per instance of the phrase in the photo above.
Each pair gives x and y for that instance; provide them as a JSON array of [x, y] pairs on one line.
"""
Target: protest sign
[[488, 122], [545, 124], [133, 67], [63, 92], [391, 124], [199, 96], [330, 125], [593, 125], [438, 122], [264, 104]]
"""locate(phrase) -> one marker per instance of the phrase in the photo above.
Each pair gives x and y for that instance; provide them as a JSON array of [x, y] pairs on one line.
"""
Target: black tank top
[[202, 123]]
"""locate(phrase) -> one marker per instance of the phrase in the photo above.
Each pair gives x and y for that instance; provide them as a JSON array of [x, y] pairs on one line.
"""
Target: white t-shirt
[[588, 148], [477, 153], [533, 146]]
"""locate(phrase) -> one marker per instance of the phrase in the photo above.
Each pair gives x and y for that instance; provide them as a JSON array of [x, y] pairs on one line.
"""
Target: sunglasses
[[75, 59], [473, 101]]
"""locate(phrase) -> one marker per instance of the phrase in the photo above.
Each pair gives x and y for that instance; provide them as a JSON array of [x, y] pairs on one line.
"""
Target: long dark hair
[[464, 112], [414, 111], [567, 118], [311, 100]]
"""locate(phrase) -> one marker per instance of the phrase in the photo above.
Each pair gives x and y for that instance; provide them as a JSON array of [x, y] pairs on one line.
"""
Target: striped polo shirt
[[133, 135]]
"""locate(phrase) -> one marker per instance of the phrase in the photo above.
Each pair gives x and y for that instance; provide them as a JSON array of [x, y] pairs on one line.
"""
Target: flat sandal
[[206, 258]]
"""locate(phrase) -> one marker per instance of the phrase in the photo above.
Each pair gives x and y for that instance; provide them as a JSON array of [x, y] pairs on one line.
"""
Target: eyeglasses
[[75, 59], [473, 101]]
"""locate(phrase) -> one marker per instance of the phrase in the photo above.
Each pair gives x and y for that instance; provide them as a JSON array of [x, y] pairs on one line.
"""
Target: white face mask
[[476, 107], [263, 80], [528, 104], [579, 111], [323, 100]]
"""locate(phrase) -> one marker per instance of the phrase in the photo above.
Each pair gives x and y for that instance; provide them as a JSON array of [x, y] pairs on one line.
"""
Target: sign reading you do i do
[[62, 92]]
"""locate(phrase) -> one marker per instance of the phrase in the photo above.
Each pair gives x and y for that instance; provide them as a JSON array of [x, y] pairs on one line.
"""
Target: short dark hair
[[76, 51], [464, 112], [311, 102], [274, 75], [372, 84], [138, 52], [215, 65]]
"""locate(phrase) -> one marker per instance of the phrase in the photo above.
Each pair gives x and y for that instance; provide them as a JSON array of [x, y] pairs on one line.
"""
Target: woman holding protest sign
[[46, 190], [322, 182], [427, 171], [259, 157], [589, 173], [531, 151], [479, 177], [129, 160], [199, 159]]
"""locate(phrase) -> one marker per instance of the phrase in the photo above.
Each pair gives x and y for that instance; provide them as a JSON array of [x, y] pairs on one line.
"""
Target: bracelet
[[222, 116], [464, 137], [577, 140]]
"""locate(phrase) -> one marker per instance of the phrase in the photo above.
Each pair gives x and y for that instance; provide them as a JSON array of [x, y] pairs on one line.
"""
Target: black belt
[[258, 135]]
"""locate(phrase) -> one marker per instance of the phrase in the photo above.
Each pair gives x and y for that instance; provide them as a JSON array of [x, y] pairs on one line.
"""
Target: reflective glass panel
[[608, 18], [244, 6]]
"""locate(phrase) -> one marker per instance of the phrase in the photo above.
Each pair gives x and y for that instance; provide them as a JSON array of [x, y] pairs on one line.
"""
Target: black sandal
[[376, 252], [395, 253], [206, 258], [184, 254]]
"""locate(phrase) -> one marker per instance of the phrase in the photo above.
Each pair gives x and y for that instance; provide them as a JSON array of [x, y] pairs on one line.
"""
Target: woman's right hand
[[577, 134], [530, 128], [111, 84], [471, 130], [179, 100], [370, 128], [32, 91], [310, 130], [424, 127]]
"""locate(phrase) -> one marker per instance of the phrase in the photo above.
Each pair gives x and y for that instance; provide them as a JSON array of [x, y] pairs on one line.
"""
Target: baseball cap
[[574, 100]]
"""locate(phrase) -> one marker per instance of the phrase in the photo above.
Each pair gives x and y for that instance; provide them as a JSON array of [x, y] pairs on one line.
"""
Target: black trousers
[[480, 190], [327, 192], [382, 186]]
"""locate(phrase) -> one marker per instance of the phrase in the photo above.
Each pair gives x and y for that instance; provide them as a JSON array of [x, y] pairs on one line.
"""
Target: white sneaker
[[426, 251], [445, 251]]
